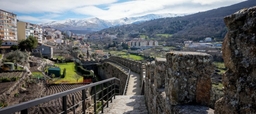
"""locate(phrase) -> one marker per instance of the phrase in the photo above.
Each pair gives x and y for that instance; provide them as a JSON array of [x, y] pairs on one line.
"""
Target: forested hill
[[191, 27]]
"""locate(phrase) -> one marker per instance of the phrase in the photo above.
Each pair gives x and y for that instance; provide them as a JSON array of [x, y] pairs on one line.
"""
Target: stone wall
[[239, 54], [135, 66], [177, 83], [112, 70]]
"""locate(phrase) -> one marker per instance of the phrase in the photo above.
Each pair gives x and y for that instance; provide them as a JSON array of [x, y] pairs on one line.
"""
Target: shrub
[[6, 80], [64, 73], [16, 95], [84, 72], [3, 104]]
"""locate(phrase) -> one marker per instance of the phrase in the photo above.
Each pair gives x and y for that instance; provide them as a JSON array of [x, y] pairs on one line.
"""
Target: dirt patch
[[4, 86]]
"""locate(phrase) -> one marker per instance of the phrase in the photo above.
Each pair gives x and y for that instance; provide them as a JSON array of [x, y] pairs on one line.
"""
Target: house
[[43, 51], [6, 46], [208, 39]]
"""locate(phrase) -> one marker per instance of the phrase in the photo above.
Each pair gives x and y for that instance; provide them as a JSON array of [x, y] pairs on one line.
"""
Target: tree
[[1, 41], [14, 47], [125, 46], [28, 44], [17, 56]]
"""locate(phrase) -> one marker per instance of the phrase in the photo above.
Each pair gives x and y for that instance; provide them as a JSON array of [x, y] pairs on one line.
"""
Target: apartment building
[[8, 26], [26, 29]]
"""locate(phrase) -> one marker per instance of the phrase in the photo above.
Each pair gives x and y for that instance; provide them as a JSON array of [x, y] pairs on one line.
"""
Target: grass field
[[133, 57], [168, 48], [221, 67], [71, 75], [164, 35], [143, 36], [125, 55]]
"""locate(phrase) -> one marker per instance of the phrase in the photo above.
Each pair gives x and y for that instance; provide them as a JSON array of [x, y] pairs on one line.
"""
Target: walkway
[[132, 102]]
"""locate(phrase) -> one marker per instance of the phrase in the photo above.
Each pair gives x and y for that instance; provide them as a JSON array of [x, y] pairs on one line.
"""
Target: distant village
[[13, 31]]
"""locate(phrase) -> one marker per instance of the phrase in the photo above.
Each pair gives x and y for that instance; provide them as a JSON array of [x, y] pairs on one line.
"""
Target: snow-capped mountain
[[96, 24]]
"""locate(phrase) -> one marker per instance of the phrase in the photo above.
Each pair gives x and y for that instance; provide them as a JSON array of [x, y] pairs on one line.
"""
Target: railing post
[[114, 82], [112, 90], [107, 93], [64, 104], [119, 88], [102, 93], [25, 111], [73, 102], [83, 101], [95, 102]]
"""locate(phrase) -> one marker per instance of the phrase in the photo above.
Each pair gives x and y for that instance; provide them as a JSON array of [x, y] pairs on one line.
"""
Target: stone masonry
[[113, 70], [189, 78], [177, 83], [239, 54]]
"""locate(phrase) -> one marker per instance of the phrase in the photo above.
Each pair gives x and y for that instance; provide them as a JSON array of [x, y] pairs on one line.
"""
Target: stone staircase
[[127, 104]]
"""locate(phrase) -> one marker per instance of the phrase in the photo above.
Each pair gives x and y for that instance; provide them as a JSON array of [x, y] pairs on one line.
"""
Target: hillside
[[191, 27], [82, 26]]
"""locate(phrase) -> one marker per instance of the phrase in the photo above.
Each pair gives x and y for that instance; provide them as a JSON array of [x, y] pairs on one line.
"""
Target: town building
[[26, 29], [143, 44], [8, 26]]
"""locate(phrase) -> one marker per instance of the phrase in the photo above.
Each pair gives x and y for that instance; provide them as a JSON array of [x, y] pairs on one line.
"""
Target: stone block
[[189, 77], [239, 54]]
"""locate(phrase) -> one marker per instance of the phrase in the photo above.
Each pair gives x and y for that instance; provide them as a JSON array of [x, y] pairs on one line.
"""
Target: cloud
[[42, 6], [41, 19], [105, 9], [142, 7]]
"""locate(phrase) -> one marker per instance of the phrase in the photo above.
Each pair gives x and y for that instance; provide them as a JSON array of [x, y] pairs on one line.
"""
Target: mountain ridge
[[190, 27], [96, 24]]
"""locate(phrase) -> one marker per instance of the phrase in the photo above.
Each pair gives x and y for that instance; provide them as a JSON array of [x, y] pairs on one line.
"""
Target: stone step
[[128, 104]]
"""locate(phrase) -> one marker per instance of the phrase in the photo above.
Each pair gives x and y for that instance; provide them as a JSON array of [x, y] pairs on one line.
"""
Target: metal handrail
[[23, 107], [127, 82]]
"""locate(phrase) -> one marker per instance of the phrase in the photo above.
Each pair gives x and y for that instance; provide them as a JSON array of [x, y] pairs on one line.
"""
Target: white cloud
[[141, 7], [41, 6], [51, 9], [34, 20]]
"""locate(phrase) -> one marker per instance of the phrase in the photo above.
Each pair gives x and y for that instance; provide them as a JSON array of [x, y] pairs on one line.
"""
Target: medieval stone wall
[[135, 66], [239, 54], [112, 70], [178, 83]]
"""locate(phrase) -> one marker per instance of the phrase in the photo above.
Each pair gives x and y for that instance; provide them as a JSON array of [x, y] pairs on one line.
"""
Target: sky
[[42, 11]]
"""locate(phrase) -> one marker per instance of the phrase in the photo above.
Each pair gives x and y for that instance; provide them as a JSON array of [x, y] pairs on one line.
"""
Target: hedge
[[84, 72]]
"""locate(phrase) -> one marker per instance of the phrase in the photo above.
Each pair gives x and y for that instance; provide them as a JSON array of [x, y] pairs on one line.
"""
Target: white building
[[8, 26]]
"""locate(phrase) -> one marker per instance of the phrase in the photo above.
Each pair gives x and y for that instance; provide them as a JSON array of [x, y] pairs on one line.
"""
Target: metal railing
[[106, 89], [127, 82]]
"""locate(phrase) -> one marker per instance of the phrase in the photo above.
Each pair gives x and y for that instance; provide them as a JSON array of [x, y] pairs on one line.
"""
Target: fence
[[109, 86]]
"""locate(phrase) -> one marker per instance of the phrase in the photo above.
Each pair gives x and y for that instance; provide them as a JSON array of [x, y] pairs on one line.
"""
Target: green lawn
[[164, 35], [168, 48], [37, 75], [133, 57], [220, 66], [124, 54], [118, 53], [143, 36], [70, 74]]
